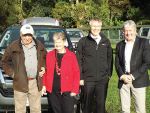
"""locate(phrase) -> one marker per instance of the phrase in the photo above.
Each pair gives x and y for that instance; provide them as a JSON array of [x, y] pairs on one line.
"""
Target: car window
[[75, 34], [145, 32], [43, 35]]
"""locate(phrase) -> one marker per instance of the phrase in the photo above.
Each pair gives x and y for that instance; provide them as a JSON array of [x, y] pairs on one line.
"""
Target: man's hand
[[43, 92], [42, 72], [82, 82], [127, 79], [73, 94]]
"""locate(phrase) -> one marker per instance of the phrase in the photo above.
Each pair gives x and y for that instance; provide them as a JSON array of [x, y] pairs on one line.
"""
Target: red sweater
[[70, 73]]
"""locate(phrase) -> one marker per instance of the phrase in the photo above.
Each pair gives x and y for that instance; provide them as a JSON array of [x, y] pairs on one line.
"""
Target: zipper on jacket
[[96, 47], [96, 58]]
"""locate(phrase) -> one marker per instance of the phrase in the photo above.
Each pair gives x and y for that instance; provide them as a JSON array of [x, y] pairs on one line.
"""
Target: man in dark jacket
[[94, 55], [24, 61], [132, 62]]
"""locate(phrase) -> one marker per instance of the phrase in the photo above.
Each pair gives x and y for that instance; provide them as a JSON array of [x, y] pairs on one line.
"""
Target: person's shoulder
[[120, 43], [104, 37], [83, 39], [51, 52], [70, 52], [142, 39], [38, 42], [13, 46], [14, 43]]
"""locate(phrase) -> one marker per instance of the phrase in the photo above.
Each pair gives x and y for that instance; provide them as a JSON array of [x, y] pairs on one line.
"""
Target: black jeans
[[61, 103]]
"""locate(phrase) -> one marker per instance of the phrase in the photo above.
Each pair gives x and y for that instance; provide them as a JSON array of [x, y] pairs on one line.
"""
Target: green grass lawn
[[113, 104]]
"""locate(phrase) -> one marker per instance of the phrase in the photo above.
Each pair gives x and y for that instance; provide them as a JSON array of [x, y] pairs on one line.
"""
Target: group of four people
[[59, 72]]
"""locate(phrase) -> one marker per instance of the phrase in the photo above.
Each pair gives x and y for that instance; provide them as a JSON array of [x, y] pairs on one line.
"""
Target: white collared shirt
[[98, 38], [127, 55]]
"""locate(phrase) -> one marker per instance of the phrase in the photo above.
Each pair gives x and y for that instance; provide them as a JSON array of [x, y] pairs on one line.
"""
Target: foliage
[[76, 13], [117, 10], [143, 22], [62, 11], [117, 22], [144, 6], [39, 11], [11, 12], [83, 12], [137, 15], [133, 13]]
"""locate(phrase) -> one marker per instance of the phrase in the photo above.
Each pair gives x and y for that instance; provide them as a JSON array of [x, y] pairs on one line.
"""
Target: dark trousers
[[61, 103], [100, 91]]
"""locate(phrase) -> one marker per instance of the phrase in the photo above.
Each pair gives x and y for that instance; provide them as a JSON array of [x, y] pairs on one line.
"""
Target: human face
[[59, 45], [95, 28], [27, 39], [130, 33]]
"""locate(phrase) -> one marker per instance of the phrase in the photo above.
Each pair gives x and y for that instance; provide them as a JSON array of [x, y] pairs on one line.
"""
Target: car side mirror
[[122, 36]]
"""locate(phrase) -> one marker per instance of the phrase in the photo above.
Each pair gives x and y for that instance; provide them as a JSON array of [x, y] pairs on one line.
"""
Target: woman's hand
[[73, 94], [82, 82], [43, 92]]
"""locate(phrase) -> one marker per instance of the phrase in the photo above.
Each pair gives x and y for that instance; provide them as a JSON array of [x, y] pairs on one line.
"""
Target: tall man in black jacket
[[94, 55], [131, 62]]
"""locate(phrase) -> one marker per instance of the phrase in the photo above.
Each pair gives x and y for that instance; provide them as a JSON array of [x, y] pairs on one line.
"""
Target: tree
[[83, 12], [117, 10], [8, 14], [62, 11], [139, 11], [40, 11]]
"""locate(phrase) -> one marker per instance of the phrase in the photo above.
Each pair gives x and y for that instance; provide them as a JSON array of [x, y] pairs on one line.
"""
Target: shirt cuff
[[121, 77], [132, 77]]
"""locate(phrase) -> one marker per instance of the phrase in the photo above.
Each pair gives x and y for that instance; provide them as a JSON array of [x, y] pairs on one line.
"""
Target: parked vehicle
[[44, 33], [144, 32], [75, 35]]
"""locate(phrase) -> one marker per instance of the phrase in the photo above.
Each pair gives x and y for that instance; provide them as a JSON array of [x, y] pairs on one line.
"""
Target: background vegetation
[[75, 13]]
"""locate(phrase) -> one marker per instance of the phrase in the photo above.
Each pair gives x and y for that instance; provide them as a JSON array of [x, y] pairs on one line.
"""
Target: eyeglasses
[[95, 26]]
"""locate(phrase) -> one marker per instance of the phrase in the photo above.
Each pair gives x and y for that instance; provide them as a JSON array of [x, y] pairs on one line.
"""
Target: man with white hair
[[131, 62], [24, 61]]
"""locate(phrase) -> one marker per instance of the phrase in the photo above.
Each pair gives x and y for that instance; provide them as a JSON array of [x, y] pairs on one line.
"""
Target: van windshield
[[45, 36]]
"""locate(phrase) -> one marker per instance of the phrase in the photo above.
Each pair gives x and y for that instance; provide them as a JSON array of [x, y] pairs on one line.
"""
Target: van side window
[[145, 32]]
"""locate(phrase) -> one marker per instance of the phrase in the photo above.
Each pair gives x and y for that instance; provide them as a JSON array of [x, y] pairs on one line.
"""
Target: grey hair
[[129, 23], [95, 19], [59, 35]]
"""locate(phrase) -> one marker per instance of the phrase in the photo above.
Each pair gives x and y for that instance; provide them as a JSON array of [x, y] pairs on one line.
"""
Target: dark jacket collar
[[103, 37]]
